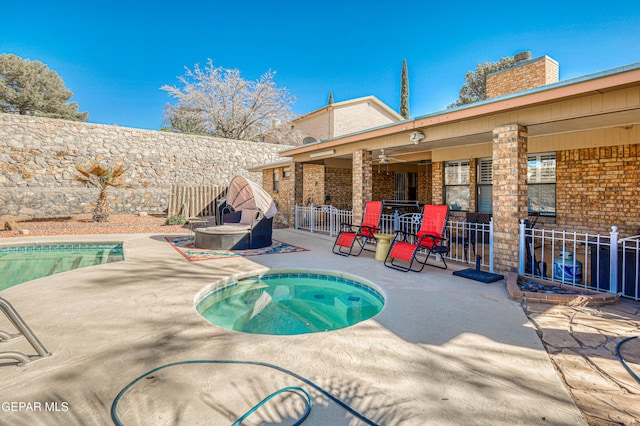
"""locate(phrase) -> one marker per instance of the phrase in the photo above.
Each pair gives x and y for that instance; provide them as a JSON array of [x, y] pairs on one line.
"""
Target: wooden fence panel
[[195, 201]]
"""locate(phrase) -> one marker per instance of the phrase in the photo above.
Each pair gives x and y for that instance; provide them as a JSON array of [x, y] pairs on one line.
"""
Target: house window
[[276, 180], [485, 185], [286, 174], [456, 181], [541, 179]]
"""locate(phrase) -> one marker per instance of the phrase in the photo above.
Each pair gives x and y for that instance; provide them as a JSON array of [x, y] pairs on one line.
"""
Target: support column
[[473, 185], [362, 182], [437, 182], [509, 193], [298, 187]]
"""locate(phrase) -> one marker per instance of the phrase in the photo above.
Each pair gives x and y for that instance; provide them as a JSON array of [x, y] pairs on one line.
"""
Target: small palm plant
[[102, 177]]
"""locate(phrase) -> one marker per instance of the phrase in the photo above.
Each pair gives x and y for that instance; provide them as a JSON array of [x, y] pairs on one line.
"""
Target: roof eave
[[557, 91]]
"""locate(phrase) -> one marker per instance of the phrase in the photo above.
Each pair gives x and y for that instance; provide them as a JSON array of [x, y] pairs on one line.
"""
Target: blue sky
[[114, 56]]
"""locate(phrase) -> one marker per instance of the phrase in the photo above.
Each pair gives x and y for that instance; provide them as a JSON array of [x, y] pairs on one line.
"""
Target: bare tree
[[219, 102]]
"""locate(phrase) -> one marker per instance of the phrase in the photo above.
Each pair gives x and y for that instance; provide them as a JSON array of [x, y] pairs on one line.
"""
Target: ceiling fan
[[385, 159]]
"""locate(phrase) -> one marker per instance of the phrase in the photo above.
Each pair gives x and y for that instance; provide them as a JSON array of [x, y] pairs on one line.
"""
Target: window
[[276, 180], [456, 181], [541, 177], [286, 174], [485, 185]]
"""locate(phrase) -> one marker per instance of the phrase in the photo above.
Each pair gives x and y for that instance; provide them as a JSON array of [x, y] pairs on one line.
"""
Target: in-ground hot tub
[[287, 302]]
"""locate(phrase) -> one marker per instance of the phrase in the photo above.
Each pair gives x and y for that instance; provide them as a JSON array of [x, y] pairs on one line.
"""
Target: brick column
[[437, 182], [362, 182], [473, 185], [298, 187], [509, 193]]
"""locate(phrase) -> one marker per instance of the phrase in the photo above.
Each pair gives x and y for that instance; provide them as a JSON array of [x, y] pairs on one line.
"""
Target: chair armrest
[[435, 238]]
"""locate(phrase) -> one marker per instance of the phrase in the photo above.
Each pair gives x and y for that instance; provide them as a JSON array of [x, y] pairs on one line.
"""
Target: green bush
[[177, 219]]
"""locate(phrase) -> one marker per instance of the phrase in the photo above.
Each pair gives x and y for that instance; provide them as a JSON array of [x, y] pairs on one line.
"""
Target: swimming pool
[[22, 263], [290, 302]]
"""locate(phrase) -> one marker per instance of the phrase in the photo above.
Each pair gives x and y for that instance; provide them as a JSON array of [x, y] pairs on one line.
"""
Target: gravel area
[[82, 224]]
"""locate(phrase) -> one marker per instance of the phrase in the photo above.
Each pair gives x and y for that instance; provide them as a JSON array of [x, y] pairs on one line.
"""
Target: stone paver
[[581, 342]]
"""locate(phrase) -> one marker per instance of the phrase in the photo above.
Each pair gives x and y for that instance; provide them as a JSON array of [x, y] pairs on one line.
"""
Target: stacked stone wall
[[39, 156]]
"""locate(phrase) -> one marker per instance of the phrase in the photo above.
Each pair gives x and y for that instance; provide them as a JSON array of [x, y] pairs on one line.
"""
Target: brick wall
[[283, 196], [358, 116], [597, 188], [425, 189], [528, 75], [338, 185], [313, 186], [383, 185]]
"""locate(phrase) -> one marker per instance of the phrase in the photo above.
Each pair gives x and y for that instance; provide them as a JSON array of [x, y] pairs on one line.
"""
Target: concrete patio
[[444, 350]]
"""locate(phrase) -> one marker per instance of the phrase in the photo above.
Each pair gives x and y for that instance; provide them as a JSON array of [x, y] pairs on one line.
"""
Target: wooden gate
[[195, 201]]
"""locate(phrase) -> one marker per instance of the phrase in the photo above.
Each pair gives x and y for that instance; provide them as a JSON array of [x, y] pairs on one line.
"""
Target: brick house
[[341, 118], [322, 184], [568, 150]]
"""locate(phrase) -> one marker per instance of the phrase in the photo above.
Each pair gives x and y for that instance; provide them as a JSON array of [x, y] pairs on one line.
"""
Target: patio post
[[490, 244], [362, 181], [613, 260], [311, 214], [510, 145], [332, 220], [522, 244]]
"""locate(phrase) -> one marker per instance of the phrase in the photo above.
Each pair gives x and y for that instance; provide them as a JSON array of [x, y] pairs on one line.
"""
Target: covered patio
[[567, 152]]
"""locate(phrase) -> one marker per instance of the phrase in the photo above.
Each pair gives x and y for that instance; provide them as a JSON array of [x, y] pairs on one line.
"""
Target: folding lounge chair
[[352, 235], [405, 247]]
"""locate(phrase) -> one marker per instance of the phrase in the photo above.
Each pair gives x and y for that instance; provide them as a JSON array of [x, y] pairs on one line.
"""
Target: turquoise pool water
[[21, 263], [286, 303]]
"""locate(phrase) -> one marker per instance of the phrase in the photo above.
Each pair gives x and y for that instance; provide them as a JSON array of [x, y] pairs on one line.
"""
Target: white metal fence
[[582, 259], [467, 240]]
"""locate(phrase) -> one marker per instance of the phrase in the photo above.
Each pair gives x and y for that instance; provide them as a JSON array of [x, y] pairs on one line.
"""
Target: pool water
[[19, 264], [291, 303]]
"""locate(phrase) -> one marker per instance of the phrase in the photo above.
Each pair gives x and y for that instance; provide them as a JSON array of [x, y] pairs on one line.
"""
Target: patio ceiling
[[422, 151]]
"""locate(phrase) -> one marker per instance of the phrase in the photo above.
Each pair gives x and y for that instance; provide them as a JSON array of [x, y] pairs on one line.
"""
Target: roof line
[[506, 102]]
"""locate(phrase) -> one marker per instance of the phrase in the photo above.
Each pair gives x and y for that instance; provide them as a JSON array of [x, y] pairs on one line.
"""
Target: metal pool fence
[[582, 259], [467, 240]]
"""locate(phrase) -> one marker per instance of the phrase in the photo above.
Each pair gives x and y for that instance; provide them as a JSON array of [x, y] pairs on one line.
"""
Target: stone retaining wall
[[38, 159]]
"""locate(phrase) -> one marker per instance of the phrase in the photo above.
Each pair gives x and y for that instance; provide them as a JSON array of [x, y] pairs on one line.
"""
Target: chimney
[[525, 74]]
